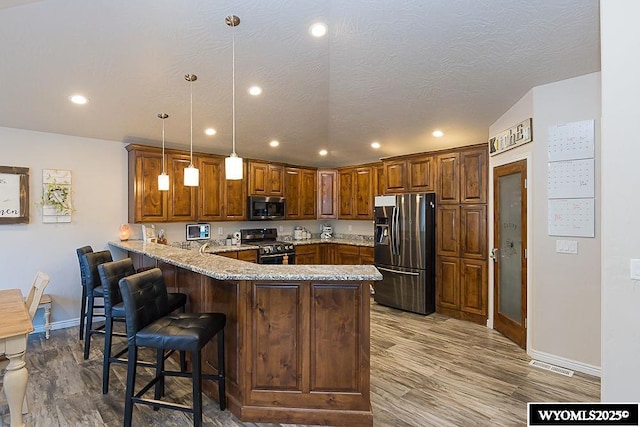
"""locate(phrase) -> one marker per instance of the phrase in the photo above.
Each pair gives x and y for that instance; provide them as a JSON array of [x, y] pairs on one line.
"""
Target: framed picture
[[14, 195]]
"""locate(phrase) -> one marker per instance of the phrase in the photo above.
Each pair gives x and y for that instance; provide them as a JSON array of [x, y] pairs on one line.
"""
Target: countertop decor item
[[191, 173], [163, 178], [124, 232], [233, 164]]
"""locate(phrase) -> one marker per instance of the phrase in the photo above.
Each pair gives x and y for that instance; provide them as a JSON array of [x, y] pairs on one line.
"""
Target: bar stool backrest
[[89, 264], [110, 275]]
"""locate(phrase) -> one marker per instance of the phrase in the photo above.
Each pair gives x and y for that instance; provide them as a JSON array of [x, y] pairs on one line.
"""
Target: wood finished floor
[[425, 371]]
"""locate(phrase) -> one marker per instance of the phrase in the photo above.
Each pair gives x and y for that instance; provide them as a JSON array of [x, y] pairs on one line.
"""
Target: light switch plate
[[567, 246], [635, 269]]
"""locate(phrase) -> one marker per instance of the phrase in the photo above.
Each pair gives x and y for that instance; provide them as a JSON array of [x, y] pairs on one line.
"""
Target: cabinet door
[[363, 195], [146, 202], [275, 184], [378, 180], [448, 230], [308, 254], [447, 282], [346, 209], [395, 176], [258, 178], [210, 197], [229, 254], [292, 185], [473, 284], [182, 199], [421, 173], [448, 178], [249, 255], [308, 189], [473, 176], [235, 199], [328, 253], [348, 255], [474, 231], [366, 255], [327, 195]]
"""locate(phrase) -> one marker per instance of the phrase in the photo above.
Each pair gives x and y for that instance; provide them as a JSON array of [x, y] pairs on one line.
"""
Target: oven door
[[276, 259]]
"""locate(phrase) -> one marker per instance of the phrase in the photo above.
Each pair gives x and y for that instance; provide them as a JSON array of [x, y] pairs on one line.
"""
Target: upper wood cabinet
[[266, 179], [462, 176], [327, 194], [473, 176], [182, 199], [412, 174], [300, 193], [355, 193], [146, 202], [378, 180], [219, 199], [215, 199]]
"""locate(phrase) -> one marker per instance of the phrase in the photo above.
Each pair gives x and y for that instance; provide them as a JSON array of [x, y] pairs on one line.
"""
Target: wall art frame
[[14, 195]]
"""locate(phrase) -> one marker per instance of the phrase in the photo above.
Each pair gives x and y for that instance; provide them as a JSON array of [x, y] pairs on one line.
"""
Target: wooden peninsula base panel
[[297, 351]]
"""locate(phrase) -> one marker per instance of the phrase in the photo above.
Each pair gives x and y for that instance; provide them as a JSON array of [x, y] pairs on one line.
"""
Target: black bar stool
[[110, 274], [89, 263], [149, 324], [83, 303]]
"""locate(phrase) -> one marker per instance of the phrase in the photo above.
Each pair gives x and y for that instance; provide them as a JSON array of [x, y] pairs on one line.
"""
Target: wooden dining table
[[15, 325]]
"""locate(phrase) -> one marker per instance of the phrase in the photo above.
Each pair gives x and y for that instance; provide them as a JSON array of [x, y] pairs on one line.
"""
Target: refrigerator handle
[[396, 243], [408, 273]]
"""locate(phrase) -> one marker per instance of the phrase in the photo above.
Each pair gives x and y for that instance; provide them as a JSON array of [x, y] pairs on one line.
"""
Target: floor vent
[[548, 367]]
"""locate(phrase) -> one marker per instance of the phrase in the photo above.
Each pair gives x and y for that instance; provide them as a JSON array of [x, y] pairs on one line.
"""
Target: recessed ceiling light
[[437, 133], [274, 143], [318, 29], [210, 131], [255, 90], [78, 99], [375, 145], [323, 152]]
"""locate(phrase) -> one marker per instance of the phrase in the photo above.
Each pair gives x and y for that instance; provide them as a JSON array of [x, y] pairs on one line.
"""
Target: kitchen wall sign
[[14, 195], [511, 138], [56, 196]]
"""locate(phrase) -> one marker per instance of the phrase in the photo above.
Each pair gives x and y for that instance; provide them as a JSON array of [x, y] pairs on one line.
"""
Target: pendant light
[[191, 173], [233, 164], [163, 178]]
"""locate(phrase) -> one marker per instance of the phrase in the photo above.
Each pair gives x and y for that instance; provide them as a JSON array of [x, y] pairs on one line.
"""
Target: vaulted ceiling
[[390, 71]]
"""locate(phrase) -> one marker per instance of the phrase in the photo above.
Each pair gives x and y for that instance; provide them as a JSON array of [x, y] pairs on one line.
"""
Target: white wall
[[566, 287], [563, 295], [620, 41], [99, 194]]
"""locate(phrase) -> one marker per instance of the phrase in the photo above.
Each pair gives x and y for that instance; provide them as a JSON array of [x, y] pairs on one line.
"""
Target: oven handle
[[276, 255]]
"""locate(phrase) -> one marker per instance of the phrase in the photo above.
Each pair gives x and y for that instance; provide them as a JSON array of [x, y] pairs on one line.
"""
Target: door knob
[[494, 254]]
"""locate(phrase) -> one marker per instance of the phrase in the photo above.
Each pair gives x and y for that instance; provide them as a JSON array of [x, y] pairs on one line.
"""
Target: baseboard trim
[[63, 324], [574, 365]]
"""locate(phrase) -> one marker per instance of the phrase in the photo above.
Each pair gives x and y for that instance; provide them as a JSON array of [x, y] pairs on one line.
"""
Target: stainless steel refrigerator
[[405, 245]]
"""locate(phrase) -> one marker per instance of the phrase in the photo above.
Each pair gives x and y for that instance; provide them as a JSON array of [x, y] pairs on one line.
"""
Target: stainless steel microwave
[[264, 207]]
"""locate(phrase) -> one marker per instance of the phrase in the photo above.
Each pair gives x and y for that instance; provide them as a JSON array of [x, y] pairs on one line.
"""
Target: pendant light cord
[[163, 145], [191, 145], [233, 88]]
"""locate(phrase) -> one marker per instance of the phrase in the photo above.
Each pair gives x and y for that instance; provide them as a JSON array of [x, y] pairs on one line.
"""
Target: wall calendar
[[571, 179]]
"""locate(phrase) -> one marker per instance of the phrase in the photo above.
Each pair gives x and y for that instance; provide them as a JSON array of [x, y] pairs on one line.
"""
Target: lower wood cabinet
[[462, 288], [308, 254], [250, 255]]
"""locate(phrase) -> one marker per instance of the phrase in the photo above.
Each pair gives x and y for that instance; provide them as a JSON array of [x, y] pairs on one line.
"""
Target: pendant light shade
[[163, 178], [233, 164], [191, 173]]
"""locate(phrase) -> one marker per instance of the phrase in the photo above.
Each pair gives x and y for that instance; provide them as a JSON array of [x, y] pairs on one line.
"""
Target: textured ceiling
[[390, 71]]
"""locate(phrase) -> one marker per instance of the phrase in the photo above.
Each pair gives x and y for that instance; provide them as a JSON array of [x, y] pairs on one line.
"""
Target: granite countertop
[[223, 268]]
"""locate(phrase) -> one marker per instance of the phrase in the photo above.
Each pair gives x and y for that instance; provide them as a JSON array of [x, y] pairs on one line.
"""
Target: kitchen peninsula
[[297, 336]]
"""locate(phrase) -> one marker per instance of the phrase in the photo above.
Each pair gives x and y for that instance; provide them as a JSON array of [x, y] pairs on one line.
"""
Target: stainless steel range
[[270, 251]]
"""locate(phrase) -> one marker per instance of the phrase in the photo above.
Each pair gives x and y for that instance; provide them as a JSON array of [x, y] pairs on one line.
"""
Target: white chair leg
[[47, 320]]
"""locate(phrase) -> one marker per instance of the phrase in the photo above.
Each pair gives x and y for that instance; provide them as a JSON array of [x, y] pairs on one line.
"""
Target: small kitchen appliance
[[326, 232], [270, 250]]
